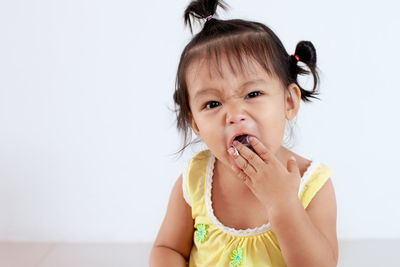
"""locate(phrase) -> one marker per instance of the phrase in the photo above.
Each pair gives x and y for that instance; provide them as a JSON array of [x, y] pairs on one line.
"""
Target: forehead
[[207, 72]]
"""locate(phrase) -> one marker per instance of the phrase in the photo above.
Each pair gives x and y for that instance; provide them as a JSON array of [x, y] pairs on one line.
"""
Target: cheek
[[215, 137], [272, 128], [210, 133], [270, 116]]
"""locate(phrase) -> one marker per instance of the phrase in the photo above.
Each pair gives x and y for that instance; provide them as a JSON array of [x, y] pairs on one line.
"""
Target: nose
[[234, 114]]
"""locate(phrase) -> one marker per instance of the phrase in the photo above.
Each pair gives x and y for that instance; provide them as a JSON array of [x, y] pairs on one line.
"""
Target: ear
[[292, 101], [194, 125]]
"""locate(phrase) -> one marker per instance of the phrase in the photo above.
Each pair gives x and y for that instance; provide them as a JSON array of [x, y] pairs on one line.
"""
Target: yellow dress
[[217, 245]]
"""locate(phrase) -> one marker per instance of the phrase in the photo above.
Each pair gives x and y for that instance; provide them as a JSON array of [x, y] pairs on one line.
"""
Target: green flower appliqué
[[237, 257], [200, 233]]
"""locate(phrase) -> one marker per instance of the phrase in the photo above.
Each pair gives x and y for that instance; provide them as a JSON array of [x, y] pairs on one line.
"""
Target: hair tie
[[297, 57], [209, 17]]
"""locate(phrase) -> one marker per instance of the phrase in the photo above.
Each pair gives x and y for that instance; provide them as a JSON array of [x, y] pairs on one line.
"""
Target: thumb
[[292, 165]]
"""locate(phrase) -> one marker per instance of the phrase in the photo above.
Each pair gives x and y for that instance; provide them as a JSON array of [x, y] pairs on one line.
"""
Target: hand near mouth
[[269, 180]]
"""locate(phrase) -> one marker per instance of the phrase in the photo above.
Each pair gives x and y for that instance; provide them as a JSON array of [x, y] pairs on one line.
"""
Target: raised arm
[[308, 237], [174, 240]]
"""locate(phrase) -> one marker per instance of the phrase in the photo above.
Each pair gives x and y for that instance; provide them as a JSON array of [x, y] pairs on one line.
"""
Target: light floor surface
[[363, 253]]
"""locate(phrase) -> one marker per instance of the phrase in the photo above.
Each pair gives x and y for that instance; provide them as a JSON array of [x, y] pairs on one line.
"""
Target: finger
[[241, 175], [252, 158], [241, 163], [264, 153], [292, 166]]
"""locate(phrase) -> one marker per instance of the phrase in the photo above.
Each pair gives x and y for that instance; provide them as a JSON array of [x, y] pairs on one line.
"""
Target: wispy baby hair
[[237, 40]]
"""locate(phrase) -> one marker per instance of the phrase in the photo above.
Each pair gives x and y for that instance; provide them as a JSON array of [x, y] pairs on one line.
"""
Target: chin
[[224, 158]]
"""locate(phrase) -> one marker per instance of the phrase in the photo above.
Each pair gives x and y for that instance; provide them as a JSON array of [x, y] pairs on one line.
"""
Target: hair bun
[[200, 9], [306, 52]]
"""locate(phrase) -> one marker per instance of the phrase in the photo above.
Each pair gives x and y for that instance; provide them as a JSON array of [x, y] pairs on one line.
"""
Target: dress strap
[[194, 174], [313, 181]]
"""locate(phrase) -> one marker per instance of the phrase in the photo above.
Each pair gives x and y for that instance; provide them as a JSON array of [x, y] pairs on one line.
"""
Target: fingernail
[[235, 142], [236, 151], [292, 158], [231, 150]]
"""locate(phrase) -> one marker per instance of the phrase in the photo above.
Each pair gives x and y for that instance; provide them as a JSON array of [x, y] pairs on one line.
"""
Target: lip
[[235, 135]]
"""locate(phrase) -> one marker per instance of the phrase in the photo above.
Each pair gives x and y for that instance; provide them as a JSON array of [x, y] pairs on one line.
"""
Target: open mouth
[[244, 139]]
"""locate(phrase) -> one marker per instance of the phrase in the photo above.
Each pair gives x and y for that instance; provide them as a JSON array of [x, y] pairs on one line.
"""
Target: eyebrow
[[205, 91]]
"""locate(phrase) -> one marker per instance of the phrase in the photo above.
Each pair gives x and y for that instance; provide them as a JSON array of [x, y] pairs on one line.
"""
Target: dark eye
[[211, 104], [254, 94]]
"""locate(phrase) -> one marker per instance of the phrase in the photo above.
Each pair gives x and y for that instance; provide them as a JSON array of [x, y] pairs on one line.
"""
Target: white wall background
[[85, 130]]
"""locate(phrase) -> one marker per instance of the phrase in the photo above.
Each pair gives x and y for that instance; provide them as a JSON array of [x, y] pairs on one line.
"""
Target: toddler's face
[[252, 103]]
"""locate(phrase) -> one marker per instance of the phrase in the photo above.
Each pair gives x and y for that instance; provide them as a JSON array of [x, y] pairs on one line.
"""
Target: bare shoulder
[[322, 212], [176, 231], [322, 209]]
